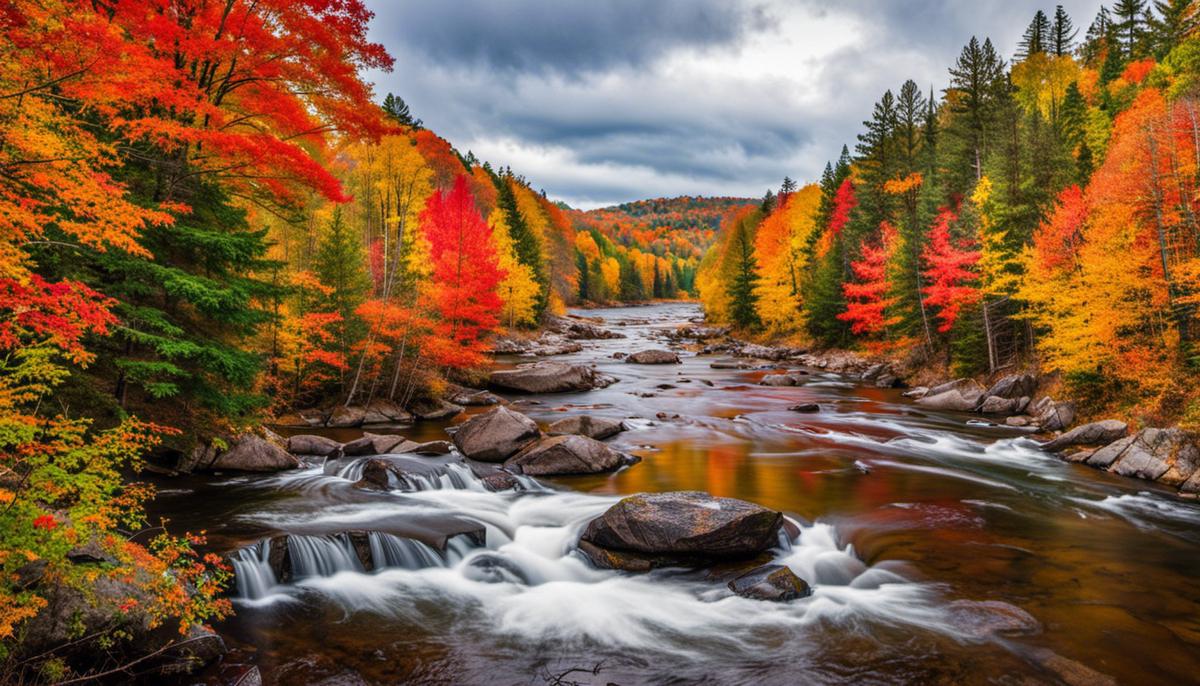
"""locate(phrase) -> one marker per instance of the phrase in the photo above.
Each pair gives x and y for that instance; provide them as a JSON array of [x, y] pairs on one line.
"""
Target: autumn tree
[[465, 276]]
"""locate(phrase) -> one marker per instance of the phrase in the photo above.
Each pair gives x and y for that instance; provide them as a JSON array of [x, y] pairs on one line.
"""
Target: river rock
[[377, 475], [785, 379], [805, 407], [584, 425], [431, 448], [470, 397], [770, 582], [653, 357], [1096, 433], [344, 417], [547, 377], [434, 408], [308, 444], [1054, 416], [385, 412], [1013, 386], [567, 455], [880, 375], [994, 404], [252, 453], [372, 444], [495, 435], [1165, 455], [500, 481], [954, 400], [690, 524], [580, 330]]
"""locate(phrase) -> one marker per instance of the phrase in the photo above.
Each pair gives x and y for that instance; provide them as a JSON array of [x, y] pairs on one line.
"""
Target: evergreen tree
[[525, 242], [742, 287], [1062, 33], [1099, 36], [1176, 20], [1037, 36], [877, 159], [1071, 122], [768, 203], [581, 266], [339, 263], [978, 84], [395, 107], [1130, 26], [788, 186], [187, 313], [910, 113], [632, 288]]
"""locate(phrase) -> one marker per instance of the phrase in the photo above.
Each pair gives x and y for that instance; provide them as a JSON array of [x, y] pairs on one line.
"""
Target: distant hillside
[[656, 242]]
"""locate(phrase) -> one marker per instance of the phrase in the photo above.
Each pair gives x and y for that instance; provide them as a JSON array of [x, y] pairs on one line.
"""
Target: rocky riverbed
[[706, 510]]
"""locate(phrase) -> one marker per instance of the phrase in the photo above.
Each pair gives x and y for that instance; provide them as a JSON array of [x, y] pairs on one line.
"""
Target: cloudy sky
[[605, 101]]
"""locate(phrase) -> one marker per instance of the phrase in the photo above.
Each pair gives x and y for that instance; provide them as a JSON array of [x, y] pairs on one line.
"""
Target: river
[[941, 550]]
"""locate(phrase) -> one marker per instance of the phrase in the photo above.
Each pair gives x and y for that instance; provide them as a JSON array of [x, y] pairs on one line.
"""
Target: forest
[[209, 220], [1040, 209]]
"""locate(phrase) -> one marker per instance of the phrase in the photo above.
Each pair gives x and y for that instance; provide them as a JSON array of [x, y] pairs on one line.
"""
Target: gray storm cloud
[[605, 102]]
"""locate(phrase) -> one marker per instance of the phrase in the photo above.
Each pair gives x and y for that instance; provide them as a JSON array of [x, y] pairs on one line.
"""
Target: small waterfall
[[322, 555], [457, 476], [392, 551], [252, 571]]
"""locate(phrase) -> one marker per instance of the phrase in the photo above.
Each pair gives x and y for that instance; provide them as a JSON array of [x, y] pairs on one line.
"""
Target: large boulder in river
[[252, 453], [495, 435], [567, 455], [546, 377], [1165, 455], [344, 417], [653, 357], [955, 399], [678, 528], [384, 412], [770, 582], [584, 425], [433, 408], [308, 444], [994, 404], [1096, 433]]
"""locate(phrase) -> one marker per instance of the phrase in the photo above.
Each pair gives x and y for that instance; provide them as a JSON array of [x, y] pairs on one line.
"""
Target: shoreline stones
[[681, 528]]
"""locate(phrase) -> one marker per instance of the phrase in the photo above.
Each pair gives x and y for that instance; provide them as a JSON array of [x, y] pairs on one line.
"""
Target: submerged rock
[[653, 357], [584, 425], [500, 481], [495, 435], [1096, 433], [805, 407], [685, 527], [547, 377], [770, 582], [567, 455], [784, 379]]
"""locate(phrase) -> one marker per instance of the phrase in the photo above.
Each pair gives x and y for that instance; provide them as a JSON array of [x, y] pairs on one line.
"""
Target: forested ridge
[[1041, 210]]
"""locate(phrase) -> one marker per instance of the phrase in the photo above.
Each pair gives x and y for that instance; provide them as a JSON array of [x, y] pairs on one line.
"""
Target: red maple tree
[[466, 274], [867, 300], [949, 271]]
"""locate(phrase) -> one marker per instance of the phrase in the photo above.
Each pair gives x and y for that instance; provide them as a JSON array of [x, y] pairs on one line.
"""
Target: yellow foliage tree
[[519, 290]]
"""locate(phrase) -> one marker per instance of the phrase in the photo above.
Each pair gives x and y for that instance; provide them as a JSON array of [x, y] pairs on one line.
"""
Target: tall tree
[[526, 244], [1037, 37], [744, 301], [466, 275], [1062, 33], [1130, 26], [977, 84], [1175, 20]]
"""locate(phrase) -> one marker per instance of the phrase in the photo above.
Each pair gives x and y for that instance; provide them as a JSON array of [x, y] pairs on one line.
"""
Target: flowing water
[[941, 549]]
